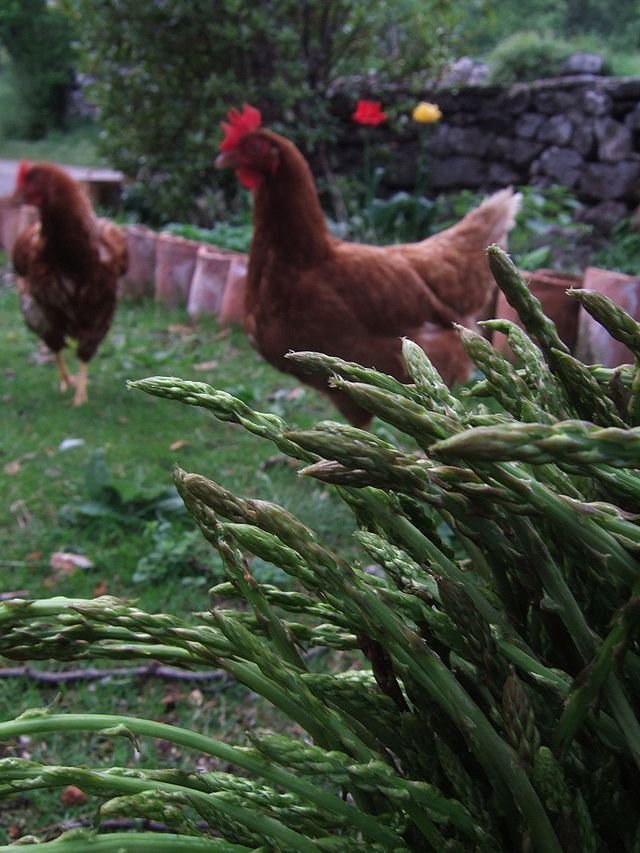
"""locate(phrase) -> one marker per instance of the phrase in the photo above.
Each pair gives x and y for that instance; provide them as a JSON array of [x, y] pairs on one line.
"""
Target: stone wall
[[580, 131]]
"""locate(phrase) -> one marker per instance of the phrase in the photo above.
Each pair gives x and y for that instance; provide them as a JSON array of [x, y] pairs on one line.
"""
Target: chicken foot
[[78, 382], [66, 380]]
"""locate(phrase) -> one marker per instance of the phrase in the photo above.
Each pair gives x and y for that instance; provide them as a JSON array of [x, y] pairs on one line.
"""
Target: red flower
[[369, 112]]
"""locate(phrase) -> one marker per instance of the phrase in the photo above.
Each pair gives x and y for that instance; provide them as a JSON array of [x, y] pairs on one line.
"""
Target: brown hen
[[68, 265], [307, 290]]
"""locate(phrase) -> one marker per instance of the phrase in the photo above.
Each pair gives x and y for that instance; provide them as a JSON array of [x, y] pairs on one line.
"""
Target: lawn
[[95, 482], [75, 147]]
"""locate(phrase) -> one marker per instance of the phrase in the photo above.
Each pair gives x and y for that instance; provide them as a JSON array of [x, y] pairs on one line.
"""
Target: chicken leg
[[66, 380], [80, 381]]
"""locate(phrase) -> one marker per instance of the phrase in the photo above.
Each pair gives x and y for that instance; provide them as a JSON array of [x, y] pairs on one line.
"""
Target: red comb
[[21, 174], [240, 123]]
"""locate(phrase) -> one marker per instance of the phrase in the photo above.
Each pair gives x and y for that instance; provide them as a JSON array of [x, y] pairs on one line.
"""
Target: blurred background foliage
[[160, 99], [37, 56], [157, 78]]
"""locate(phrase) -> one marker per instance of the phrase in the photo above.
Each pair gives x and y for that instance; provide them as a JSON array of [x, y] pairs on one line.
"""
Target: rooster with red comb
[[307, 290]]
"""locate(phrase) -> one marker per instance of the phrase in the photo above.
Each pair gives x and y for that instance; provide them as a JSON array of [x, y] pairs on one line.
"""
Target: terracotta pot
[[138, 281], [5, 216], [232, 309], [595, 345], [175, 263], [209, 281], [550, 288], [15, 218]]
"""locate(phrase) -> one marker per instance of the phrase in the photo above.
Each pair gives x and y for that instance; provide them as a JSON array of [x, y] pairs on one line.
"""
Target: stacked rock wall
[[580, 131]]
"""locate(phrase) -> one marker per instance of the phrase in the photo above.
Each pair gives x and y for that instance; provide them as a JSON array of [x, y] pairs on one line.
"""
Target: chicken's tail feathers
[[498, 213]]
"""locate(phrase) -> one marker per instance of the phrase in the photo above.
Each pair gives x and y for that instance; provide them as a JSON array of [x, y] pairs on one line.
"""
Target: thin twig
[[92, 674], [115, 824]]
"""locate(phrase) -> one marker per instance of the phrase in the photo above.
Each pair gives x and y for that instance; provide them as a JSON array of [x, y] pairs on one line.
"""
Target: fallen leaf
[[170, 699], [67, 562], [196, 698], [21, 512], [279, 459], [69, 443], [180, 329], [73, 796], [295, 393], [176, 445], [13, 468], [288, 393], [41, 356], [206, 365]]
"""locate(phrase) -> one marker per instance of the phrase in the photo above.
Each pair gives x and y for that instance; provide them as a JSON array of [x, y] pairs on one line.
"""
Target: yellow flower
[[426, 113]]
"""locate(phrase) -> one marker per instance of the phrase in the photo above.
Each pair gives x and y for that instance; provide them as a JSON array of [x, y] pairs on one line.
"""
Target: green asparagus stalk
[[431, 390], [505, 384], [191, 740], [534, 370], [587, 396], [574, 441], [528, 307], [612, 317]]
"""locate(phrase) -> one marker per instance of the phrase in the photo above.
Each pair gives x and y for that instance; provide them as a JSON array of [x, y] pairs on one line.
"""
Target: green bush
[[527, 56], [161, 98], [37, 38], [612, 24]]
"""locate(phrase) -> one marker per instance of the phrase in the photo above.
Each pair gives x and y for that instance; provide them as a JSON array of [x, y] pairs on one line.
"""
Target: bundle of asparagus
[[496, 708]]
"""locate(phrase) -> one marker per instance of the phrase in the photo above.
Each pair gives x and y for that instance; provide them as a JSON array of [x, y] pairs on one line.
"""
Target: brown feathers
[[306, 290], [68, 266]]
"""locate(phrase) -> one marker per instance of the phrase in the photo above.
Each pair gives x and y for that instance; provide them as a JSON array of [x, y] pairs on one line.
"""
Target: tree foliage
[[615, 23], [37, 39], [165, 73], [527, 56]]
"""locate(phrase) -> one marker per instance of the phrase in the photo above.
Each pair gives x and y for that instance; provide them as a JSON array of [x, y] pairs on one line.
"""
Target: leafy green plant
[[484, 698], [125, 502], [399, 218], [622, 249], [546, 231], [235, 238], [527, 55], [170, 551]]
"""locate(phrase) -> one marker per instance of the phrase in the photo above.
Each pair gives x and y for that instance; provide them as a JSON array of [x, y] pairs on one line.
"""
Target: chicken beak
[[226, 160]]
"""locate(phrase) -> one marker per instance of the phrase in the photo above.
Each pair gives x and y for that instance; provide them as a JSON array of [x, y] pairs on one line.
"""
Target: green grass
[[109, 497], [100, 496], [75, 147]]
